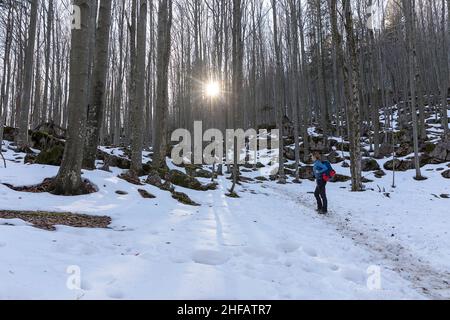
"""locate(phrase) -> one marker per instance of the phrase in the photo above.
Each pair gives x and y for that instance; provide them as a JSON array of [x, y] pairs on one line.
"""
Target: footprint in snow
[[311, 252], [114, 293], [210, 257], [288, 247]]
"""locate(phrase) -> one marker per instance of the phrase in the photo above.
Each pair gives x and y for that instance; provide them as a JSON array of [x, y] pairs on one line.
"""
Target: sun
[[212, 89]]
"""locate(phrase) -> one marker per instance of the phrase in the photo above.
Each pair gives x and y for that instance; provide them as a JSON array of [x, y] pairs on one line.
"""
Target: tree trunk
[[162, 94], [353, 101], [68, 180], [97, 90], [22, 137]]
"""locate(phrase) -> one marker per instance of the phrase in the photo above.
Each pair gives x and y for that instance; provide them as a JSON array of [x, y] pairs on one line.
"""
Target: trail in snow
[[392, 254]]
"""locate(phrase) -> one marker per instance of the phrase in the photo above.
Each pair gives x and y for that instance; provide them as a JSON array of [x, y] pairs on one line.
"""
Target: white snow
[[269, 244]]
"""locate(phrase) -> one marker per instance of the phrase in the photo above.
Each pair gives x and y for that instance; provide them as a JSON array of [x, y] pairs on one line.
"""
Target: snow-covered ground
[[269, 244]]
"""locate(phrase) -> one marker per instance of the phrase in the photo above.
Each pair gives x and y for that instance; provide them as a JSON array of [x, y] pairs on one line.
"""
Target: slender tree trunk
[[137, 111], [22, 137], [98, 84], [353, 100], [162, 94]]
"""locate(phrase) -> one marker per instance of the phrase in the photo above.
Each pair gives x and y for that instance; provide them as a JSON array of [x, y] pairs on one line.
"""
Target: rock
[[379, 174], [319, 144], [399, 165], [203, 174], [334, 157], [121, 193], [343, 147], [445, 196], [131, 178], [114, 161], [446, 174], [261, 179], [289, 153], [180, 179], [428, 148], [385, 150], [145, 194], [306, 173], [154, 179], [365, 180], [42, 140], [184, 198], [345, 165], [259, 165], [441, 151], [341, 178], [404, 150], [10, 133], [369, 165], [51, 157], [30, 158]]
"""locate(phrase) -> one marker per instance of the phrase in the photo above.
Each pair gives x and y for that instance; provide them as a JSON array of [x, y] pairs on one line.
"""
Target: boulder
[[341, 178], [289, 153], [446, 174], [369, 165], [442, 151], [10, 133], [319, 144], [306, 173], [404, 150], [114, 161], [202, 173], [42, 140], [51, 157], [385, 150], [399, 165], [334, 157], [30, 158], [379, 174], [181, 179], [155, 180]]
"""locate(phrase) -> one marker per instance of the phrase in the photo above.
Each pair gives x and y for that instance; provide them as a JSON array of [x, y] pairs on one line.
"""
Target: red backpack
[[330, 174]]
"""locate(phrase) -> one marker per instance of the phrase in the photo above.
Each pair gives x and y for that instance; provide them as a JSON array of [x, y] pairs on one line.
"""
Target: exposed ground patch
[[48, 220]]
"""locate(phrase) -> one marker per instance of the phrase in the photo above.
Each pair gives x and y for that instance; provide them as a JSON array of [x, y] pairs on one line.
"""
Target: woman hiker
[[321, 194]]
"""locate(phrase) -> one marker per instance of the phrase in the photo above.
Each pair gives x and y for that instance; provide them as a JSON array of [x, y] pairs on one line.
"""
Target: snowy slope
[[269, 244]]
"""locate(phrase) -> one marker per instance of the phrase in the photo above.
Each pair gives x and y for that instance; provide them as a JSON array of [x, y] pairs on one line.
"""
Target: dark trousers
[[321, 195]]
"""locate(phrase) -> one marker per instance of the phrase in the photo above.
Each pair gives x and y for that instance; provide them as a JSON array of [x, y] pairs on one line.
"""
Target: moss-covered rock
[[446, 174], [42, 140], [399, 165], [145, 194], [9, 133], [114, 161], [155, 180], [184, 199], [369, 165], [51, 157], [341, 178], [181, 179], [379, 174], [306, 172]]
